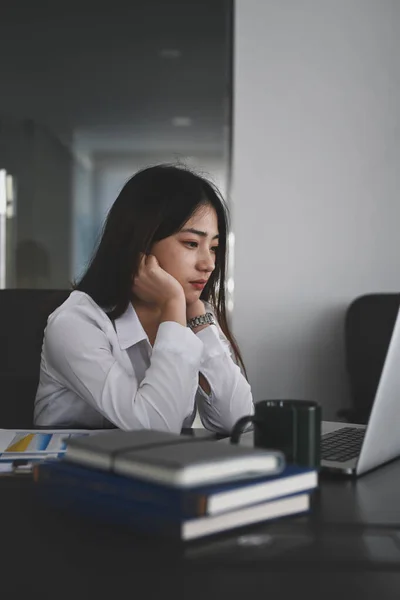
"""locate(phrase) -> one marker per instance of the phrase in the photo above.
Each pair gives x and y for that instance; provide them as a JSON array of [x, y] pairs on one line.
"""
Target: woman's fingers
[[151, 261], [142, 262]]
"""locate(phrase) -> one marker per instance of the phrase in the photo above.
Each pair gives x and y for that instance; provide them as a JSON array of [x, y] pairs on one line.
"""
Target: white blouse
[[95, 373]]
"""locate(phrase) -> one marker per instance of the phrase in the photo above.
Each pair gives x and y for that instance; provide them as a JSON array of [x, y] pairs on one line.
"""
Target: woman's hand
[[153, 285]]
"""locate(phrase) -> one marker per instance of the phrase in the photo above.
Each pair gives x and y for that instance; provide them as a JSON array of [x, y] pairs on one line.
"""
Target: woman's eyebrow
[[198, 232]]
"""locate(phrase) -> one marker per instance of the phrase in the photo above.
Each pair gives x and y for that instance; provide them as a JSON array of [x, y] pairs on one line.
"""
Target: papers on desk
[[6, 467], [21, 444]]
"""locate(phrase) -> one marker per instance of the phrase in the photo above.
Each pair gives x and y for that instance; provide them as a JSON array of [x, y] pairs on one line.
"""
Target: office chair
[[369, 325], [23, 318]]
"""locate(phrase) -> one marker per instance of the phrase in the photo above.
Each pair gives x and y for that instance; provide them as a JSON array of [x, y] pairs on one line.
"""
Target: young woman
[[143, 339]]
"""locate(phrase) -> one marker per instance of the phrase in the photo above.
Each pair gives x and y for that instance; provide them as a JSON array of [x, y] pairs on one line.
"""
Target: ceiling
[[112, 79]]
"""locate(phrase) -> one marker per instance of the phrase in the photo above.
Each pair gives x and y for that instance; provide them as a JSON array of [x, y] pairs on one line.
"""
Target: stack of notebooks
[[172, 485]]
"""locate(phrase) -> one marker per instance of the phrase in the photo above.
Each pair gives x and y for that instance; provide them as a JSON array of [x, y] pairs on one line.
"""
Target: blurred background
[[311, 172], [88, 97]]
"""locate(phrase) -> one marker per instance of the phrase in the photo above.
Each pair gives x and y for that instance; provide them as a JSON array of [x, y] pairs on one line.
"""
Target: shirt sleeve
[[230, 397], [79, 354]]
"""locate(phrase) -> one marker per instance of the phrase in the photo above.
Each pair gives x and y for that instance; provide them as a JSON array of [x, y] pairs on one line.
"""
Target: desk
[[348, 547]]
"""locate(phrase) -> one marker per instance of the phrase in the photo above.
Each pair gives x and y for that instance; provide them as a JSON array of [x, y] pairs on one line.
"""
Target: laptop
[[356, 449]]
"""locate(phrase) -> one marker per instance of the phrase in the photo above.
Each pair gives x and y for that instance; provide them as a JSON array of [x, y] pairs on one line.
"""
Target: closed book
[[103, 447], [147, 519], [181, 502], [171, 459]]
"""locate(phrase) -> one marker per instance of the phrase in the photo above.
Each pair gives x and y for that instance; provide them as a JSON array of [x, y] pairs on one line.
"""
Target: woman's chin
[[192, 297]]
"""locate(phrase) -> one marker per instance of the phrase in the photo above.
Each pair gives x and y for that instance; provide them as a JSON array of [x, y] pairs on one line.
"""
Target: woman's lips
[[198, 285]]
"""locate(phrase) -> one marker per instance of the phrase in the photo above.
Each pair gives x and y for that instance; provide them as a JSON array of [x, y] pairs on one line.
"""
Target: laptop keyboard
[[342, 444]]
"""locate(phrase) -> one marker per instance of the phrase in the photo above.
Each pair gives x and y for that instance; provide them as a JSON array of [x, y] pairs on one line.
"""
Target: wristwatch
[[207, 319]]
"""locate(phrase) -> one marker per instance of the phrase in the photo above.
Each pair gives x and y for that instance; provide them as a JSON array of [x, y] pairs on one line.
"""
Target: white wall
[[316, 183]]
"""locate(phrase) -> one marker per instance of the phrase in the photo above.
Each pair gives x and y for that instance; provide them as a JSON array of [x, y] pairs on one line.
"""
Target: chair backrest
[[369, 325], [23, 317]]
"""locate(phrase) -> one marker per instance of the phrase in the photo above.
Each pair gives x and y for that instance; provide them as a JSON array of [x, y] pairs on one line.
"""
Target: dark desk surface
[[348, 547]]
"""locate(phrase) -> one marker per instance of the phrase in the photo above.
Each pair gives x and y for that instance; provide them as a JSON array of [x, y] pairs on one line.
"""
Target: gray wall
[[316, 184], [74, 84], [42, 168]]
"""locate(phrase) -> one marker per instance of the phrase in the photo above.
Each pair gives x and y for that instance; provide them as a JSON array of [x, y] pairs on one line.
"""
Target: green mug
[[291, 426]]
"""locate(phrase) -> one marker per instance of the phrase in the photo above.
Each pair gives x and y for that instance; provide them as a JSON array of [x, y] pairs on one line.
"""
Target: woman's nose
[[207, 264]]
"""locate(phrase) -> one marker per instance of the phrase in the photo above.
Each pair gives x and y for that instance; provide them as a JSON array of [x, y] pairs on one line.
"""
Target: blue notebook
[[177, 502], [147, 518]]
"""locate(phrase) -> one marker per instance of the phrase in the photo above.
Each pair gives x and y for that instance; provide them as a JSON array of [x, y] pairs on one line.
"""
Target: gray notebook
[[171, 459], [99, 450]]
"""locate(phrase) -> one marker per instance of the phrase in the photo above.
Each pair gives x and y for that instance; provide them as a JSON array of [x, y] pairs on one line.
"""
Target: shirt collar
[[129, 329]]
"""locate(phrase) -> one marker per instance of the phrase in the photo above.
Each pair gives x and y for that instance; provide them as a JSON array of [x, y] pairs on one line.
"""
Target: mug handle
[[239, 427]]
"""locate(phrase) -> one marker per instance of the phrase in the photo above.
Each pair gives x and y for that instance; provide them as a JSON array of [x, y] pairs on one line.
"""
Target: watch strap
[[207, 319]]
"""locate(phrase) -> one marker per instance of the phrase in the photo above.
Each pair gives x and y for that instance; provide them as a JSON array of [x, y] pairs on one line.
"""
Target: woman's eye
[[191, 244], [214, 249]]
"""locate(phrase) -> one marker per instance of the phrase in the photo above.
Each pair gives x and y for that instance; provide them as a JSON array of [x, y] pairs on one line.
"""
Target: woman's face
[[189, 255]]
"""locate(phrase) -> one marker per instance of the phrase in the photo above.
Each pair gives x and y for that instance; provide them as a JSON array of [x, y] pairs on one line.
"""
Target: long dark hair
[[154, 204]]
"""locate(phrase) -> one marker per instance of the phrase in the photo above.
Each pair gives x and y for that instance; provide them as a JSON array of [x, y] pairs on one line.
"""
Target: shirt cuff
[[212, 343], [174, 337]]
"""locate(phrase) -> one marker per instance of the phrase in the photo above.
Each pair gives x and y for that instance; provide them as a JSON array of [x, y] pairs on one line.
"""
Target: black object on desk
[[291, 426]]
